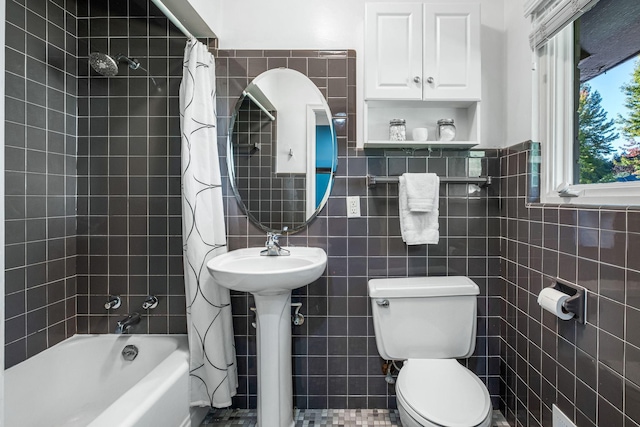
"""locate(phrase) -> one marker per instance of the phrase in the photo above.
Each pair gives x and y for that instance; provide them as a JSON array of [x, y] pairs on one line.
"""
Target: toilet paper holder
[[577, 302]]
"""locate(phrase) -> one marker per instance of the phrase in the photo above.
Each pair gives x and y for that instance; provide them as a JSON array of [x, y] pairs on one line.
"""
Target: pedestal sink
[[271, 279]]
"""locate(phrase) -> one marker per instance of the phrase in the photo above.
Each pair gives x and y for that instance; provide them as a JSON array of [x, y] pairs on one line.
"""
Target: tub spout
[[125, 324]]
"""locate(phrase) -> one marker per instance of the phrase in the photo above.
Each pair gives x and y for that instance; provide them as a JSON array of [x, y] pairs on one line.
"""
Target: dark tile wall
[[336, 364], [40, 186], [129, 208], [592, 370]]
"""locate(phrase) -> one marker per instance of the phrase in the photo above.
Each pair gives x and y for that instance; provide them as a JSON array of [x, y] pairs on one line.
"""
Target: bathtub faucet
[[125, 324]]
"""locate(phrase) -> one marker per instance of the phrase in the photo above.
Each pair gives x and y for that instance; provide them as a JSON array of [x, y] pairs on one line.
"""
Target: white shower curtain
[[213, 362]]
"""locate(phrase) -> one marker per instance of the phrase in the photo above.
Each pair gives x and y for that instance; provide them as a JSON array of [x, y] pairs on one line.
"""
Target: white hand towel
[[422, 191], [418, 228]]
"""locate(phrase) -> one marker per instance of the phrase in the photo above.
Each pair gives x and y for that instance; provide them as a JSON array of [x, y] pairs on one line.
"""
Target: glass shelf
[[421, 145]]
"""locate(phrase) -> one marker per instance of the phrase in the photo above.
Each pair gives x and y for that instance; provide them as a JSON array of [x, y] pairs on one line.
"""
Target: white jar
[[420, 134], [397, 130], [446, 130]]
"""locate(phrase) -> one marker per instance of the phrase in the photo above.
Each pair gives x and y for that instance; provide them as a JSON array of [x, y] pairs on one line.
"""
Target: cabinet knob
[[416, 79], [430, 80]]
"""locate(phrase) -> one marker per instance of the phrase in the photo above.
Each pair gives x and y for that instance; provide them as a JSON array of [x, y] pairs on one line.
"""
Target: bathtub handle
[[113, 302], [150, 302]]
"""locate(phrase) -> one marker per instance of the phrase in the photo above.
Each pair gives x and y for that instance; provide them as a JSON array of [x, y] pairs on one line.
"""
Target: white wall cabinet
[[422, 63], [422, 51], [451, 59], [393, 50]]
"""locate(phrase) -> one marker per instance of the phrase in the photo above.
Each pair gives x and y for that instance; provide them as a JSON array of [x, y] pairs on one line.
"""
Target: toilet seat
[[442, 392]]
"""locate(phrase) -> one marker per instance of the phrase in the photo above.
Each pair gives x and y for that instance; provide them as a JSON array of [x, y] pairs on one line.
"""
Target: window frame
[[556, 128]]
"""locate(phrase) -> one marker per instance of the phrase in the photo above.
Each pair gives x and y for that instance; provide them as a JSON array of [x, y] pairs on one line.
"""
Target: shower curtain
[[213, 362]]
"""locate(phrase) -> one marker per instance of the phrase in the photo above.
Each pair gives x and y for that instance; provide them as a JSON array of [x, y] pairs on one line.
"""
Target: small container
[[420, 134], [398, 130], [446, 130]]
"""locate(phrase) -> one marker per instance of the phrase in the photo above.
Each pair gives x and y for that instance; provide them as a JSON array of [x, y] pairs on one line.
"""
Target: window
[[589, 107]]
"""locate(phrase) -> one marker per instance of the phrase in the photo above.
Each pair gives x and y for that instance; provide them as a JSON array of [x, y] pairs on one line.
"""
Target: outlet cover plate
[[353, 206]]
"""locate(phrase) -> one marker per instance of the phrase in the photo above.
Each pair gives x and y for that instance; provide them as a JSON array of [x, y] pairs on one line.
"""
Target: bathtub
[[85, 381]]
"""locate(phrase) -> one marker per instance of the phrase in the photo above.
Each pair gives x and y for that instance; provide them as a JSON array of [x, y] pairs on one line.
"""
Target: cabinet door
[[452, 52], [393, 46]]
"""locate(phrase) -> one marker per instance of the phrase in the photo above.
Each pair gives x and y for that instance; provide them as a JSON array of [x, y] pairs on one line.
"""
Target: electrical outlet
[[353, 206], [560, 419]]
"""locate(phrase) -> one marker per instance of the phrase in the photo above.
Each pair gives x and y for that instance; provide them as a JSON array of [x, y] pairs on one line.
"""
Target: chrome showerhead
[[107, 65], [103, 64]]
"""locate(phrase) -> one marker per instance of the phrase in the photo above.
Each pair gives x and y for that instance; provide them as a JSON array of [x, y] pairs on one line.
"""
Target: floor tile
[[321, 418]]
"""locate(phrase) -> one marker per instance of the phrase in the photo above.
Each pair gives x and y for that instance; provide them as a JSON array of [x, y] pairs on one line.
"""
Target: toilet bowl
[[441, 393], [430, 322]]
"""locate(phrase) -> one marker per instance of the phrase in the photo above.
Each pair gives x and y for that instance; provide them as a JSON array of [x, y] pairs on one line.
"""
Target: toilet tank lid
[[403, 287]]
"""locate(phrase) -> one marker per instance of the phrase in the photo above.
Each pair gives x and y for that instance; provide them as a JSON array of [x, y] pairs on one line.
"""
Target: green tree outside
[[595, 134], [630, 125], [627, 164]]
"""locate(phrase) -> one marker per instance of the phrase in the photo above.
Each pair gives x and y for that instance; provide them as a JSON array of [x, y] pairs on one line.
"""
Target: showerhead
[[103, 64], [108, 66]]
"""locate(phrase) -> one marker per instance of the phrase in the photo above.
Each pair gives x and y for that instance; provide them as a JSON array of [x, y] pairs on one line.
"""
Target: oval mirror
[[282, 149]]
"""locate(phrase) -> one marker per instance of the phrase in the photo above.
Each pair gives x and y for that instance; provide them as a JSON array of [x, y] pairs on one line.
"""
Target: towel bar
[[372, 180], [249, 147]]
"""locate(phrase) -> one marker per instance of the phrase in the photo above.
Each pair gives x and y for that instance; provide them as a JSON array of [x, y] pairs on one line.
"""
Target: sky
[[608, 85]]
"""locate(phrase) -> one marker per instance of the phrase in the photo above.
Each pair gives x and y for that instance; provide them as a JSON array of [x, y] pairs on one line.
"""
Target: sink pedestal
[[275, 390], [271, 279]]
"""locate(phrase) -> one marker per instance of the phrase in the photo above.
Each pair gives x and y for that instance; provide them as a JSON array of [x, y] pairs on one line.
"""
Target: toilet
[[430, 322]]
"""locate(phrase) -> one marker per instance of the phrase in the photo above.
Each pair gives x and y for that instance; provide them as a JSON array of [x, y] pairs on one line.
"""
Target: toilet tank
[[424, 317]]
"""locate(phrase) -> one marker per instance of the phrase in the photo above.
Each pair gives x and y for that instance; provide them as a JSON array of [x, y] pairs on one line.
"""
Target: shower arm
[[133, 64]]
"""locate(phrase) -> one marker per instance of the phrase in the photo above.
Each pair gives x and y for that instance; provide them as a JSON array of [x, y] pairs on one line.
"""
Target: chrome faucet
[[273, 245], [125, 324]]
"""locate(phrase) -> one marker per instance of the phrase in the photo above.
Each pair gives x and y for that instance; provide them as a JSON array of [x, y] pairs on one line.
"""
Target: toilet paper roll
[[552, 300]]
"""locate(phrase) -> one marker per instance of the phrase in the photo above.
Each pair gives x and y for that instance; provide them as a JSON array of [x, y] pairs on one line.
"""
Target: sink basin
[[246, 270]]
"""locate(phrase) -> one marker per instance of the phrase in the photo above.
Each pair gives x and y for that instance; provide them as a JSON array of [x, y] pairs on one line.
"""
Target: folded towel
[[422, 191], [419, 227]]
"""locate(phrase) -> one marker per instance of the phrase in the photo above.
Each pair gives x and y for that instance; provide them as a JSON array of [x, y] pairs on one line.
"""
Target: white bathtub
[[85, 381]]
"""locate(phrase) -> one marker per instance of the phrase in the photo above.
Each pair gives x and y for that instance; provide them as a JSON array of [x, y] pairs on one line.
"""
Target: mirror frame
[[232, 171]]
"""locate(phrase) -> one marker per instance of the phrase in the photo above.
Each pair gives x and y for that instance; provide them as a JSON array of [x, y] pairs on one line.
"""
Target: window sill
[[610, 194]]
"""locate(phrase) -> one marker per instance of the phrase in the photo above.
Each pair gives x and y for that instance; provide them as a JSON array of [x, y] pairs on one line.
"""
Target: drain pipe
[[387, 370], [297, 319]]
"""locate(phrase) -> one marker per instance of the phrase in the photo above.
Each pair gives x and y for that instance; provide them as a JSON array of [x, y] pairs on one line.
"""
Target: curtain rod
[[372, 180], [255, 101], [173, 18]]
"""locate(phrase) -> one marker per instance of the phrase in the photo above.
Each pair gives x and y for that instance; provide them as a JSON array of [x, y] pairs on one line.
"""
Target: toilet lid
[[443, 392]]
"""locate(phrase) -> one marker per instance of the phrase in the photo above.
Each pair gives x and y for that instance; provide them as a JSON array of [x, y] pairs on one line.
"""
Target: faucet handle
[[275, 235], [272, 238], [273, 247], [113, 302], [150, 302]]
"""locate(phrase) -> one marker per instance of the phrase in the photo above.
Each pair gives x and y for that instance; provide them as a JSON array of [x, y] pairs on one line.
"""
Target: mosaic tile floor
[[321, 418]]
